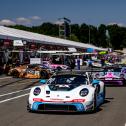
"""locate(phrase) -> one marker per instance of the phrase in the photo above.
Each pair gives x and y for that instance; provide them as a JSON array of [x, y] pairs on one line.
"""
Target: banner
[[35, 60], [18, 43]]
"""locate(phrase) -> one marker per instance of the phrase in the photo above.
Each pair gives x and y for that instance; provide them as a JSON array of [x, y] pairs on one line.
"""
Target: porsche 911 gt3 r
[[33, 71], [67, 92]]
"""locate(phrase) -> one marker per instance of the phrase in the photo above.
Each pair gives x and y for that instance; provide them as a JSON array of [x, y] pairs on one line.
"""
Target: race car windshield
[[30, 71], [67, 79], [113, 70], [32, 65]]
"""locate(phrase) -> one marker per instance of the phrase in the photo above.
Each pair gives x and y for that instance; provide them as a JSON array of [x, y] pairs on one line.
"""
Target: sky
[[35, 12]]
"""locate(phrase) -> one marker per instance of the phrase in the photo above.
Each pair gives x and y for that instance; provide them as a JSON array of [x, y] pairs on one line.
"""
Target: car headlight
[[36, 91], [84, 92]]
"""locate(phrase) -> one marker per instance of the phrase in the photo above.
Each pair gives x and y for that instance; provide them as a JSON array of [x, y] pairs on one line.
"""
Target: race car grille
[[54, 107]]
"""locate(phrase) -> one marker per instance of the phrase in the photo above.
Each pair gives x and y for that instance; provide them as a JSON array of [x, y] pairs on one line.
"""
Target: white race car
[[70, 92]]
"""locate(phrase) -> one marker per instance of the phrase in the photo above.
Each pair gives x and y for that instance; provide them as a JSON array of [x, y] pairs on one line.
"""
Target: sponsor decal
[[108, 78], [56, 99]]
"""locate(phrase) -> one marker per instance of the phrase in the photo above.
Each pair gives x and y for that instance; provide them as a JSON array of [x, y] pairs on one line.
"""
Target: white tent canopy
[[15, 34]]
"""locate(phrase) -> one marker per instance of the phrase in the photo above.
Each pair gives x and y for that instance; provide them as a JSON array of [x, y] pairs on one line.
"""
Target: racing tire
[[28, 107], [44, 74], [104, 93], [15, 73], [94, 109], [59, 68], [124, 83], [1, 71]]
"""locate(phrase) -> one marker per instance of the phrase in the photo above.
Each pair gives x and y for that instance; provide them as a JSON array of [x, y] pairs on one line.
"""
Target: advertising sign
[[35, 60], [18, 43]]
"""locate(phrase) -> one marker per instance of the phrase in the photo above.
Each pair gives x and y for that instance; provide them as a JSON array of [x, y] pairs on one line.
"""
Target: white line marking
[[14, 92], [5, 77], [13, 98]]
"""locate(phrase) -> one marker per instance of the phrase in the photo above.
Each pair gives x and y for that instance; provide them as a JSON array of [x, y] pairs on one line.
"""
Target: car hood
[[48, 95], [110, 75]]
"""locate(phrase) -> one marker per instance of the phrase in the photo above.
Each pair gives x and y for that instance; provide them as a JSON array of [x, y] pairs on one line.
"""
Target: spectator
[[102, 61], [78, 63], [90, 63], [72, 65]]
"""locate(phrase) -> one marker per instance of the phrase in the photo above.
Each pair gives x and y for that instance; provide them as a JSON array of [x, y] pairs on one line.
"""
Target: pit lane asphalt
[[13, 112]]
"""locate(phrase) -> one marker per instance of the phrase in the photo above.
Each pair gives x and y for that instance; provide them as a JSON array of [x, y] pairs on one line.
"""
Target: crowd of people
[[72, 61]]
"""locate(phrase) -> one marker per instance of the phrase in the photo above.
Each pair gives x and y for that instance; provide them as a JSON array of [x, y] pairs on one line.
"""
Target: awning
[[15, 34]]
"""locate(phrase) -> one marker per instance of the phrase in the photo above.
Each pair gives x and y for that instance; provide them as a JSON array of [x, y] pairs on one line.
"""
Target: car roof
[[80, 71], [76, 72]]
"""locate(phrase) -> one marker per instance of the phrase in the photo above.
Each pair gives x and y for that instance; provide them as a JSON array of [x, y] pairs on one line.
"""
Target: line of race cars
[[75, 91], [70, 90], [45, 70]]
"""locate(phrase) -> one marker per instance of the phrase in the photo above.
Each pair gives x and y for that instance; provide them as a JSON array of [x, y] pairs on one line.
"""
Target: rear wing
[[85, 70]]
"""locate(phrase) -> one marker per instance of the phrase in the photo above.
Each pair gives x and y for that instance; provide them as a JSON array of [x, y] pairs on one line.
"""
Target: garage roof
[[15, 34]]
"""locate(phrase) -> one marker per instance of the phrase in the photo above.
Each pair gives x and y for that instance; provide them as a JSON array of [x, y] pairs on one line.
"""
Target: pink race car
[[55, 66], [113, 76]]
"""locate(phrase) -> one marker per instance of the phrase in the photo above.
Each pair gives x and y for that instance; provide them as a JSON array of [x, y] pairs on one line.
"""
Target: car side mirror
[[94, 82]]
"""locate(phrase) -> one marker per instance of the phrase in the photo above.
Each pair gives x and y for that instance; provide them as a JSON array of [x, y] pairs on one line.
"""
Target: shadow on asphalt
[[31, 84], [113, 85], [107, 101], [19, 80], [11, 82]]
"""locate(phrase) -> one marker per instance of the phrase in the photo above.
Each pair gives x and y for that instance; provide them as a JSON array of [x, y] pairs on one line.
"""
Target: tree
[[73, 37], [102, 39], [49, 29], [75, 28], [93, 35], [83, 33], [116, 36]]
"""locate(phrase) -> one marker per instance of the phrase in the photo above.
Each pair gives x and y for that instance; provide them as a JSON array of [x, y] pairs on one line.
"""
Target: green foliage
[[102, 38], [117, 36], [75, 29], [73, 37], [93, 35]]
